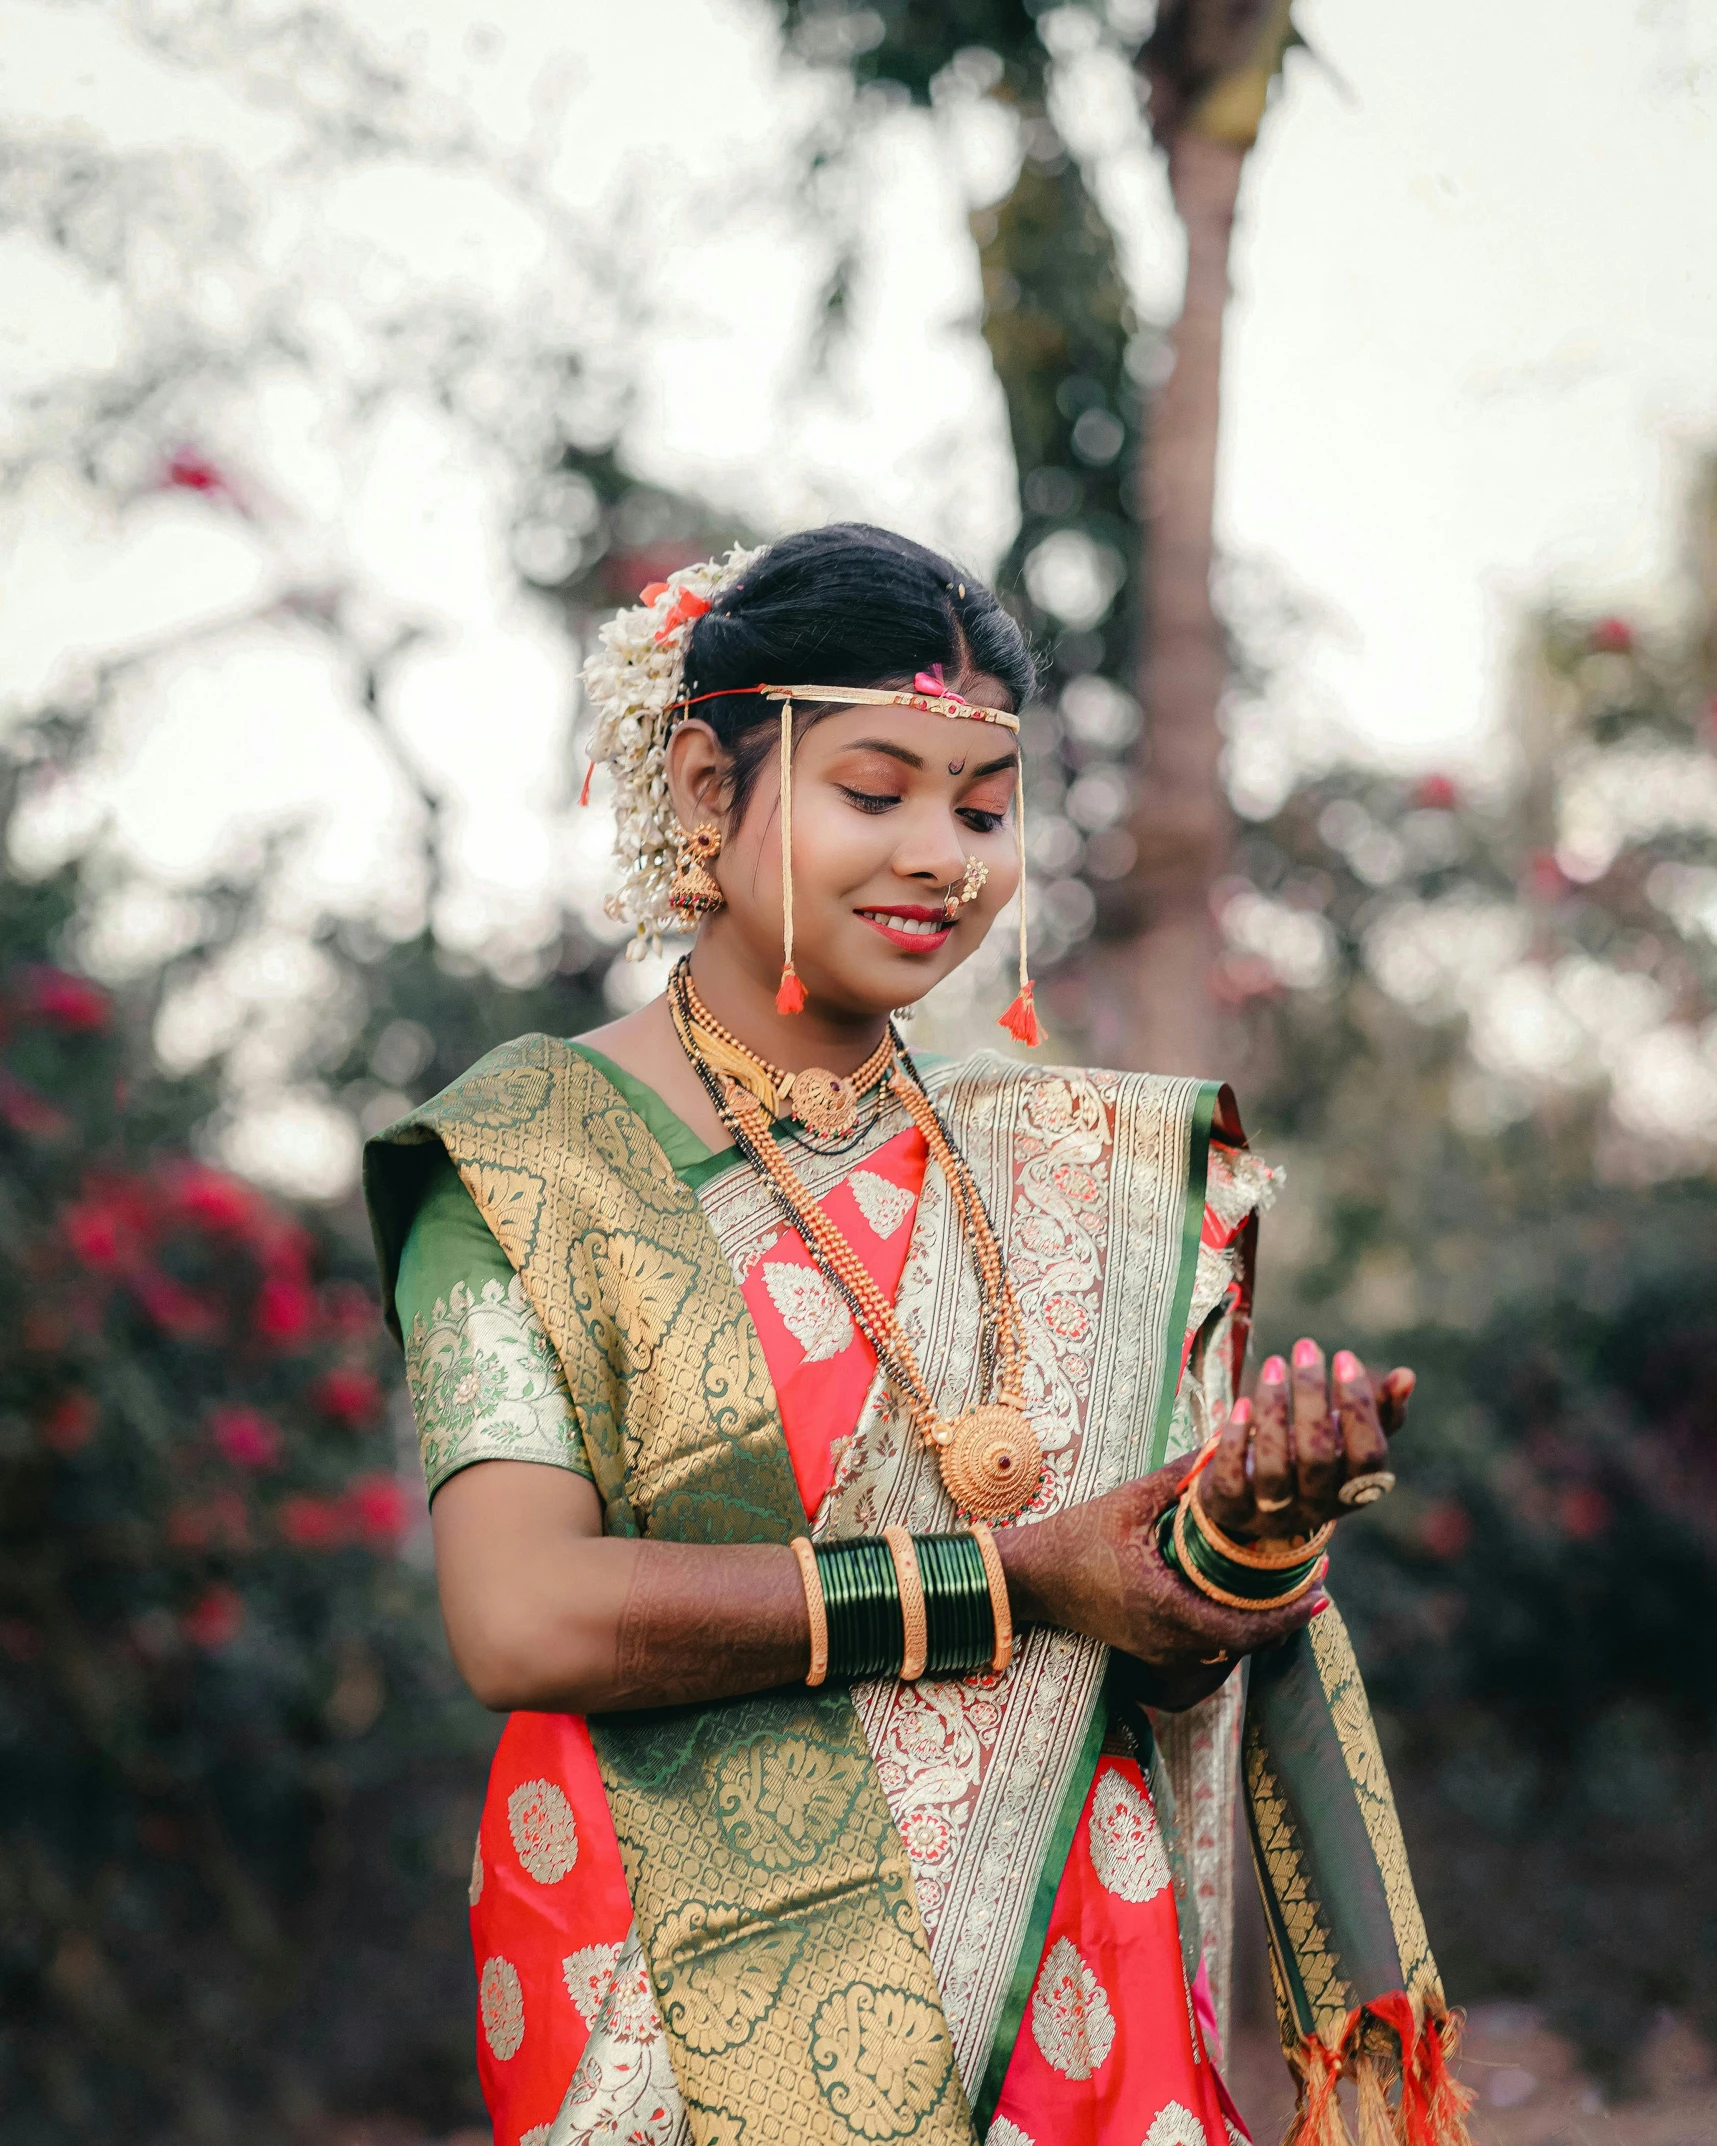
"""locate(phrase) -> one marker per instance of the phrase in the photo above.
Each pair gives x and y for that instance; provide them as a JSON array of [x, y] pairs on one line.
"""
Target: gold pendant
[[824, 1103], [991, 1461]]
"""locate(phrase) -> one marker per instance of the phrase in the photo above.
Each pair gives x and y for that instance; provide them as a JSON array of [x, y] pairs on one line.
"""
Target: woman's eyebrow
[[915, 760], [882, 745]]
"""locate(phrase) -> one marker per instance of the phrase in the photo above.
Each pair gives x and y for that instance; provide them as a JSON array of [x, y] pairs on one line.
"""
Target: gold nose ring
[[970, 888]]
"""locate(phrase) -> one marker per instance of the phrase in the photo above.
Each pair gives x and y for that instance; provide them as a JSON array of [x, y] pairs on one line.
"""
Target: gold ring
[[1366, 1489], [1271, 1505]]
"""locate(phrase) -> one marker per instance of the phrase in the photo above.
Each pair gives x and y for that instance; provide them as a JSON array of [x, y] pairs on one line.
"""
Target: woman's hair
[[847, 605]]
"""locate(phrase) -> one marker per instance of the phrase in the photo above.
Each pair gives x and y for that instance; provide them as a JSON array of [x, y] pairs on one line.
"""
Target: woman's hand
[[1286, 1453], [1096, 1569]]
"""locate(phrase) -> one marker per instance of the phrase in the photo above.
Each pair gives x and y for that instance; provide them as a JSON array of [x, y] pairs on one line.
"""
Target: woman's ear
[[698, 768]]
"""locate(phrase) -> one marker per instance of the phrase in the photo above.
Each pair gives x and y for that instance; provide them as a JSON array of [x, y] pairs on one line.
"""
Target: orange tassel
[[1021, 1019], [584, 794], [791, 996], [1319, 2119]]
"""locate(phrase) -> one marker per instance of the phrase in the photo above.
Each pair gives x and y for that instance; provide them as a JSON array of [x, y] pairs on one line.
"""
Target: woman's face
[[889, 804]]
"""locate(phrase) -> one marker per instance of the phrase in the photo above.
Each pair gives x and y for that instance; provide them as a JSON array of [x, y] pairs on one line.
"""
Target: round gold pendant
[[824, 1103], [991, 1461]]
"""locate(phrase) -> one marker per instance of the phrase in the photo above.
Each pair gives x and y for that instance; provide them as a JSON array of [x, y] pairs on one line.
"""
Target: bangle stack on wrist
[[906, 1605], [1243, 1576]]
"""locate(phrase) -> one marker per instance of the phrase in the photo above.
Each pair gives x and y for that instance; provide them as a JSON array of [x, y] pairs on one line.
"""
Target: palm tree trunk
[[1157, 1009]]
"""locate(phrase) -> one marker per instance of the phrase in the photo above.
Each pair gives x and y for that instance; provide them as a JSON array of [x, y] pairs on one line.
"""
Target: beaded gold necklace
[[824, 1103], [990, 1459]]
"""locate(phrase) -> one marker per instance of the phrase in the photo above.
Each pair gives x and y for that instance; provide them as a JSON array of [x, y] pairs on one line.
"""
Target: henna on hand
[[1096, 1569], [707, 1623], [1284, 1456]]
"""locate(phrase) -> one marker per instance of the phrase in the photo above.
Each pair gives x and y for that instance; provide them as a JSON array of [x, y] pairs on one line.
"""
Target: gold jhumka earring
[[1020, 1018], [694, 892]]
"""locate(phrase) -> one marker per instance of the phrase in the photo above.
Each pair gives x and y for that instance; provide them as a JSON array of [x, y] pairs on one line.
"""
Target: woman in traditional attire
[[840, 1480]]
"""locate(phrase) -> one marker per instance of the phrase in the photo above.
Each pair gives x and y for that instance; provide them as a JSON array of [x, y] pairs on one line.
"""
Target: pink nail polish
[[1274, 1371], [1305, 1355], [1322, 1606], [1242, 1412], [1345, 1367]]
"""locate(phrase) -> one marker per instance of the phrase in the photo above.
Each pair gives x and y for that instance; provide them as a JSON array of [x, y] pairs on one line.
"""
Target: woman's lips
[[917, 931]]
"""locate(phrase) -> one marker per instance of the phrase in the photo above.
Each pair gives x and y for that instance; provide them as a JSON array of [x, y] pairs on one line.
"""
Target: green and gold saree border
[[773, 1896]]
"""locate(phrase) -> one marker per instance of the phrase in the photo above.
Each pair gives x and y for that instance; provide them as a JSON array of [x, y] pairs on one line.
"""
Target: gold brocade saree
[[812, 1983]]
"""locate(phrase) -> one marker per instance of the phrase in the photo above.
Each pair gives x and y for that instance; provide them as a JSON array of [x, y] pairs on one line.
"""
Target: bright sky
[[1470, 362], [1472, 349]]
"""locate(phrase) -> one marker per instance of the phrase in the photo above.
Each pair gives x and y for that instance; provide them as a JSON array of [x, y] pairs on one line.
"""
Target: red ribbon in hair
[[686, 606]]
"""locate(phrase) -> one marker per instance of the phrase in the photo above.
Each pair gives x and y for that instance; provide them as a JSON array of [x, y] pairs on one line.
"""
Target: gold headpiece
[[634, 679]]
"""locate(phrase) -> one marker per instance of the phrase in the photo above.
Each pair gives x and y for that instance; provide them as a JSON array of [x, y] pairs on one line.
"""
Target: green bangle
[[957, 1606], [861, 1600], [861, 1595], [1220, 1578]]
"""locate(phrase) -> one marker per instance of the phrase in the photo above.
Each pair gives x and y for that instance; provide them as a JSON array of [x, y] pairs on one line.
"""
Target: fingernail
[[1305, 1355], [1242, 1412], [1323, 1567], [1345, 1367], [1274, 1371], [1322, 1606]]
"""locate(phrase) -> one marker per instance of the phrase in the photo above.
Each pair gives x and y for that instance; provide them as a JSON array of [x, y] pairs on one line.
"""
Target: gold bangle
[[815, 1608], [915, 1650], [1190, 1572], [1275, 1559], [1001, 1607]]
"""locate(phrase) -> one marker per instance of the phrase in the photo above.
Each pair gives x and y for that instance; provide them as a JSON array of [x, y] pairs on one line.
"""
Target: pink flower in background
[[349, 1394], [220, 1522], [246, 1437], [70, 1002], [285, 1309], [1583, 1512], [70, 1424], [1435, 793], [213, 1199], [97, 1231], [1446, 1528], [1613, 637], [178, 1311], [214, 1620], [310, 1523], [379, 1508], [349, 1310]]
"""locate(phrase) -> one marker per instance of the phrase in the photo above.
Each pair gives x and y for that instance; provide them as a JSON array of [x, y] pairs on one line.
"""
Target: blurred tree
[[1133, 826], [1207, 67]]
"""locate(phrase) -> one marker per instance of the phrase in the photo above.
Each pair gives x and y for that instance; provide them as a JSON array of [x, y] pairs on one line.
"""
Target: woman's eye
[[981, 823], [868, 800]]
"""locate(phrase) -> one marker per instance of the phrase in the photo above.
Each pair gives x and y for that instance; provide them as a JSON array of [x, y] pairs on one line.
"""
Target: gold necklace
[[990, 1459], [824, 1103]]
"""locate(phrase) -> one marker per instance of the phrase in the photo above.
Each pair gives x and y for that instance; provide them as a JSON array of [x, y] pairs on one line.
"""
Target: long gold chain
[[990, 1459]]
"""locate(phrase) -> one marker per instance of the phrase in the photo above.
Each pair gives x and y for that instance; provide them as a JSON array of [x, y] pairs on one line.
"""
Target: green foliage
[[1531, 1605], [238, 1772]]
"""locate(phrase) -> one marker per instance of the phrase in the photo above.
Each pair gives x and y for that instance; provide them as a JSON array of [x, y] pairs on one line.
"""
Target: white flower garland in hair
[[633, 681]]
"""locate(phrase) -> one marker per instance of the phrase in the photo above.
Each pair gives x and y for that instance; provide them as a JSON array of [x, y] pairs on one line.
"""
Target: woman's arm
[[547, 1614]]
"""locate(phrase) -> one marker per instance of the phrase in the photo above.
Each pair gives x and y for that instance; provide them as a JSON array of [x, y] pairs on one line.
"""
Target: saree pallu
[[797, 1950]]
